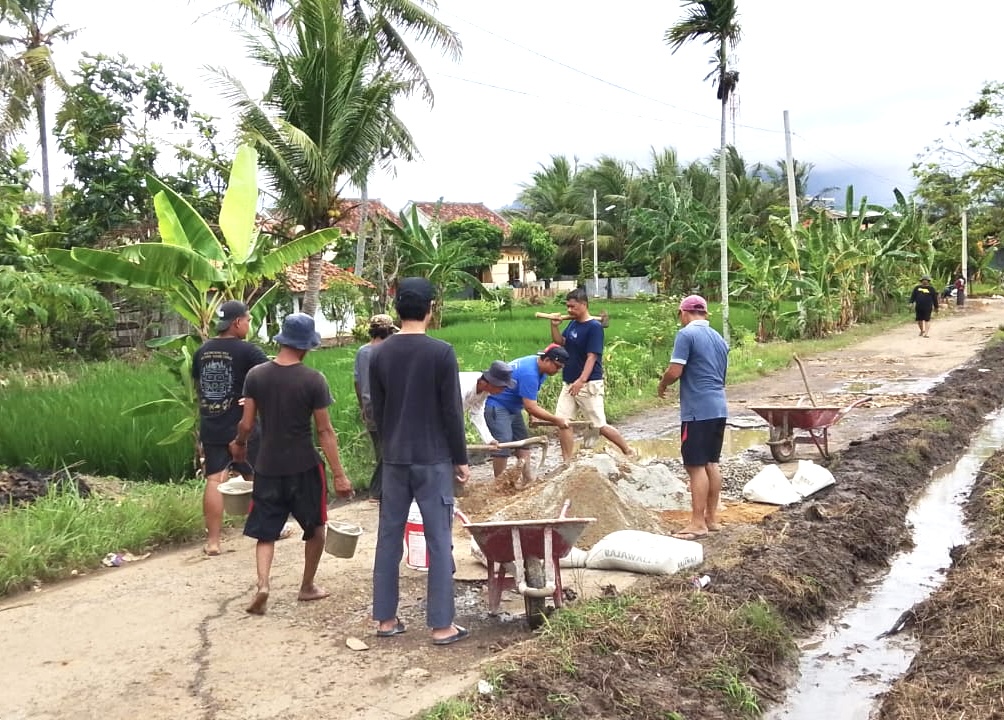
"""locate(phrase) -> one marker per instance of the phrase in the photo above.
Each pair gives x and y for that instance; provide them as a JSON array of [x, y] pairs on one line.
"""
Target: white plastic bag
[[811, 478], [644, 552], [477, 554], [771, 486]]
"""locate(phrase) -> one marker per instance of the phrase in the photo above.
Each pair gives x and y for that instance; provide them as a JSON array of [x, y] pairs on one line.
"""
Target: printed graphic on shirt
[[216, 383]]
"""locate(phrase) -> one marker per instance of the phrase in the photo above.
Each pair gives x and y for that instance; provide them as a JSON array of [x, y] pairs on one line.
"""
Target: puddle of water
[[903, 386], [846, 665], [736, 441]]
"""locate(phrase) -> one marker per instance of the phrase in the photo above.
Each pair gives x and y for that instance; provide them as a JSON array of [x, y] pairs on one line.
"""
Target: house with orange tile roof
[[509, 268]]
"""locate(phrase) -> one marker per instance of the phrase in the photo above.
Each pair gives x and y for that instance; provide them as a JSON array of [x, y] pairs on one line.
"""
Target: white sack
[[643, 552], [576, 558], [811, 478], [477, 554], [771, 486]]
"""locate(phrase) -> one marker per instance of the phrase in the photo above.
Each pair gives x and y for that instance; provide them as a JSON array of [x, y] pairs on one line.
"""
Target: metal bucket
[[236, 496], [341, 539]]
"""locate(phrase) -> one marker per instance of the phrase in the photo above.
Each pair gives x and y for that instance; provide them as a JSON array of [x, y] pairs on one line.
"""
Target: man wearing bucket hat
[[415, 389], [700, 361], [285, 394], [504, 412], [477, 387], [924, 299], [219, 367], [381, 328]]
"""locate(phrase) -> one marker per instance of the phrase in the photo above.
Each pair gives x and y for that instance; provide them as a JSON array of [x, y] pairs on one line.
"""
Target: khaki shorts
[[589, 401]]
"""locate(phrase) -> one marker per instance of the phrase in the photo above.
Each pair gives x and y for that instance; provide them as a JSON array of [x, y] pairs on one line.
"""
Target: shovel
[[516, 444], [589, 434]]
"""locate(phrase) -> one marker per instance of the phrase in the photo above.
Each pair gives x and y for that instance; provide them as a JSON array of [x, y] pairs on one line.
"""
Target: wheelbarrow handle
[[853, 405], [526, 442]]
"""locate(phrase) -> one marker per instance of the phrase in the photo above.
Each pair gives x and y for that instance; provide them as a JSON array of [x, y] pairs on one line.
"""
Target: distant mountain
[[877, 184]]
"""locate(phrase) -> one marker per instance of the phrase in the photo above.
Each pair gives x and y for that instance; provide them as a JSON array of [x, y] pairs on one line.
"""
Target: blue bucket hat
[[298, 332]]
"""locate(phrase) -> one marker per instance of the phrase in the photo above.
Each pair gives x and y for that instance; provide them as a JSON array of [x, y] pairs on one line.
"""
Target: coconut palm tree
[[328, 113], [390, 21], [34, 56], [715, 22]]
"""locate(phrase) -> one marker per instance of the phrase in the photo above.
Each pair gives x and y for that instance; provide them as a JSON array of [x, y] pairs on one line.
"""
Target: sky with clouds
[[868, 85]]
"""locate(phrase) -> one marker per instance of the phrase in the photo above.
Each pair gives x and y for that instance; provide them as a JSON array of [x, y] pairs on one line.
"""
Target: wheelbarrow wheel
[[535, 607], [782, 447]]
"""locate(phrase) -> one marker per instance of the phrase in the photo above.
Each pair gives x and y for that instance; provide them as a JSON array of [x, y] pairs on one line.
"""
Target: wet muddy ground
[[958, 671], [171, 640]]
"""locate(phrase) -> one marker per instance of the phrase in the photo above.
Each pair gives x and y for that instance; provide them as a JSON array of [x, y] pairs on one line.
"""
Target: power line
[[603, 80]]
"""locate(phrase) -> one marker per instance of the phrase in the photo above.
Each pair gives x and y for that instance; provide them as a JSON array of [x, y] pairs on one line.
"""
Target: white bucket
[[236, 496], [416, 555]]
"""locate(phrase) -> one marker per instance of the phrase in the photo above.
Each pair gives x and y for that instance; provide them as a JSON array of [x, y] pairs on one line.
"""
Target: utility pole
[[790, 164], [596, 254], [965, 257]]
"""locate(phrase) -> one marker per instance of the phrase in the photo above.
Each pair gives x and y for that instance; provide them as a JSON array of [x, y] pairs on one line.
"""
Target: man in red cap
[[700, 361]]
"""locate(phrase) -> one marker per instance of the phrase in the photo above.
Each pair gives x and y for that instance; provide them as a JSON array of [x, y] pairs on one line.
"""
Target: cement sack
[[576, 558], [811, 478], [771, 486], [643, 552]]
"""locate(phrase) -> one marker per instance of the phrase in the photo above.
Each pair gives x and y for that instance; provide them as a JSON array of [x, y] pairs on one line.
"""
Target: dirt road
[[167, 637]]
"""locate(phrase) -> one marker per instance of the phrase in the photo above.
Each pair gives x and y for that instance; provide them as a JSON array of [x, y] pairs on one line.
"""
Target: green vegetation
[[64, 532]]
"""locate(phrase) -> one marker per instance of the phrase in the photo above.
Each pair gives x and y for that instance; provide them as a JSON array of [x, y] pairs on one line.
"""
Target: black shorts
[[922, 313], [275, 497], [216, 457], [701, 441]]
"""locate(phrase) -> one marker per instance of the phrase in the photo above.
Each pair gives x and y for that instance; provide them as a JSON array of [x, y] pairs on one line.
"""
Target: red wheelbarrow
[[529, 549], [784, 421]]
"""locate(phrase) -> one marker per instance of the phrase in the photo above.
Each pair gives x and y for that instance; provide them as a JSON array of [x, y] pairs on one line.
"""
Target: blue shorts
[[505, 426]]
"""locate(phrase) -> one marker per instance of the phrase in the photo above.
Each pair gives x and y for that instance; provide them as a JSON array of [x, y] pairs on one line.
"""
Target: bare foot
[[312, 593], [714, 526], [211, 550], [257, 606]]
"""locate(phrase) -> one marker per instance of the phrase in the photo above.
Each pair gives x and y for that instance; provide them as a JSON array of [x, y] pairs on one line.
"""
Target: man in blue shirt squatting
[[583, 373], [504, 412], [700, 360]]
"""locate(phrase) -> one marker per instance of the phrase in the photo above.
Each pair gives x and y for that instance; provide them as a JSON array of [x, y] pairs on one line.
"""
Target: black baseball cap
[[228, 312]]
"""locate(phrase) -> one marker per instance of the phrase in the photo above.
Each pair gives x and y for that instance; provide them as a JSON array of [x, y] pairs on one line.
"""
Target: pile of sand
[[597, 486]]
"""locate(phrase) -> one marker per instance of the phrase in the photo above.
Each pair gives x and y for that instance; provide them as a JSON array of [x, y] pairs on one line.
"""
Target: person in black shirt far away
[[924, 299]]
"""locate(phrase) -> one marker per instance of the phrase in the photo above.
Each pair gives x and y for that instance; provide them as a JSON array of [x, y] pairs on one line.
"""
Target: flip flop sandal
[[459, 635], [396, 630]]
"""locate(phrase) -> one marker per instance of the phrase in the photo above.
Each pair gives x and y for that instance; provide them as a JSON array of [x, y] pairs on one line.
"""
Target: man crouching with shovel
[[504, 411]]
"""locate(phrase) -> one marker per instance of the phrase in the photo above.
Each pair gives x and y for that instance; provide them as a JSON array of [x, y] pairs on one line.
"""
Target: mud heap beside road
[[671, 652]]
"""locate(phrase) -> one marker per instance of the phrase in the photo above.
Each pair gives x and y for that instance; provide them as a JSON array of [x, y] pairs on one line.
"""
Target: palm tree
[[328, 113], [35, 59], [390, 21], [716, 22]]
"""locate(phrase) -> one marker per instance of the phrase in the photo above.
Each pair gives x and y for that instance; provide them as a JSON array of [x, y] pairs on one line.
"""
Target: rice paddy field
[[72, 415]]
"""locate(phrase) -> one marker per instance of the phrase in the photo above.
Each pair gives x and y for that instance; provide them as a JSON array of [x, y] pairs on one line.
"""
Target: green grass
[[453, 709], [72, 414], [62, 532]]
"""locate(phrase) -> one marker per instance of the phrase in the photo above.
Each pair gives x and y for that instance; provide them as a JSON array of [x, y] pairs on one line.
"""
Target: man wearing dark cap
[[924, 299], [381, 327], [415, 391], [700, 361], [504, 412], [286, 395], [475, 389], [219, 367]]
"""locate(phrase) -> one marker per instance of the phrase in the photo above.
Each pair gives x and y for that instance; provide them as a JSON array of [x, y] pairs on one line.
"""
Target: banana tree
[[197, 271], [764, 281]]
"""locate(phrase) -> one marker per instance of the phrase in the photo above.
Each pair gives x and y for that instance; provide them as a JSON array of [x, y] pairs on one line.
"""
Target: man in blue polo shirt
[[700, 360], [504, 412]]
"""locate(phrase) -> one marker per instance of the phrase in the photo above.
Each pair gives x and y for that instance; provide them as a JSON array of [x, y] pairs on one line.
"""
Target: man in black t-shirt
[[415, 395], [924, 299], [218, 369], [286, 396]]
